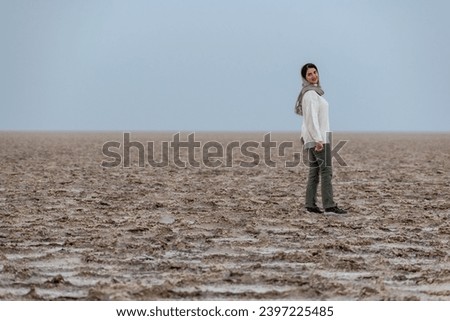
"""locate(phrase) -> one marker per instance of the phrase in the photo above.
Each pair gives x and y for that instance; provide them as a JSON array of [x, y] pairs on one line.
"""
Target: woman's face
[[312, 76]]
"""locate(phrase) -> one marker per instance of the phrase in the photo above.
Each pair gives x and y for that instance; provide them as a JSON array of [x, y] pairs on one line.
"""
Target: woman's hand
[[319, 147]]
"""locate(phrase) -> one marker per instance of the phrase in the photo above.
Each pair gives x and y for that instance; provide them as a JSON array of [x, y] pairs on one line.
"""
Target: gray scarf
[[306, 86]]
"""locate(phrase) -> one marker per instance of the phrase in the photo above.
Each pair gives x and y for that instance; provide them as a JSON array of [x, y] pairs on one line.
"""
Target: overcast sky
[[222, 65]]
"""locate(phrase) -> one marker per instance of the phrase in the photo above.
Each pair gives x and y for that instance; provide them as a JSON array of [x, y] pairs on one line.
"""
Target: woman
[[316, 137]]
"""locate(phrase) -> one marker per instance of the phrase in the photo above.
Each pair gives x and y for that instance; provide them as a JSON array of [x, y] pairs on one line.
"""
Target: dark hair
[[306, 67]]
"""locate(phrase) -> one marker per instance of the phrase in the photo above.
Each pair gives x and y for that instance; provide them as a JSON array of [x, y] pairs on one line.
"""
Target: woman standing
[[316, 137]]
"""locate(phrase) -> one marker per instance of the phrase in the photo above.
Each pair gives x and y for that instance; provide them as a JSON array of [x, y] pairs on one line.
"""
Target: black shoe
[[314, 209], [335, 210]]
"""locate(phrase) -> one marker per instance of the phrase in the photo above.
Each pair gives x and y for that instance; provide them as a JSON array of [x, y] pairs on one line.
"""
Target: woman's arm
[[311, 117]]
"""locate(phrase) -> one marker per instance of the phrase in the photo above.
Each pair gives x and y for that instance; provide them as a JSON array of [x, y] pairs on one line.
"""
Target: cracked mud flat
[[72, 230]]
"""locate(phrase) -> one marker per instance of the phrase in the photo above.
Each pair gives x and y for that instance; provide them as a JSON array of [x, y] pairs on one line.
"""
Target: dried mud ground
[[71, 229]]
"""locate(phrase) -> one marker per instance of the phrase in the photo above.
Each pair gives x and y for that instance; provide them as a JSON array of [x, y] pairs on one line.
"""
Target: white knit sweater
[[316, 125]]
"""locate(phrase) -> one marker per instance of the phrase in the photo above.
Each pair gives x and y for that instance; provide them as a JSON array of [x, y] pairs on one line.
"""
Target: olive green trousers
[[320, 170]]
